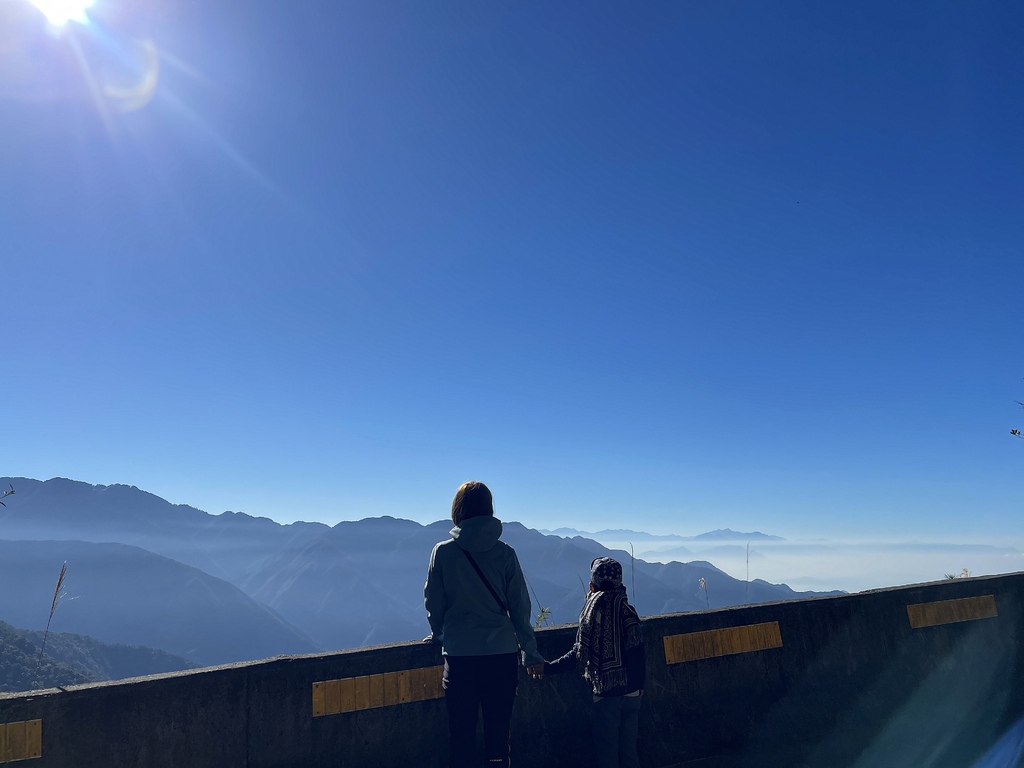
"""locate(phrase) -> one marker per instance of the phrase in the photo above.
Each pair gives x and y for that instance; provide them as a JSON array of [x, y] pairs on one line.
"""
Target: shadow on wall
[[950, 714]]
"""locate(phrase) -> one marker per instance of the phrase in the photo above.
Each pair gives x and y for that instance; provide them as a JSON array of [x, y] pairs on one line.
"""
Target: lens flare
[[146, 70]]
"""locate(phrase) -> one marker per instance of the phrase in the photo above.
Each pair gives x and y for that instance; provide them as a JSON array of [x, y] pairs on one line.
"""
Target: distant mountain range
[[231, 587], [622, 534]]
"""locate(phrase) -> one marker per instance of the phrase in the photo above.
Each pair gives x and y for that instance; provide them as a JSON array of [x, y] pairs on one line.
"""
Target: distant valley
[[214, 589]]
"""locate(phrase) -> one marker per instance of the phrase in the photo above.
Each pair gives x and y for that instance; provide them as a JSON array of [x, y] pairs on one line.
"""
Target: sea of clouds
[[830, 564]]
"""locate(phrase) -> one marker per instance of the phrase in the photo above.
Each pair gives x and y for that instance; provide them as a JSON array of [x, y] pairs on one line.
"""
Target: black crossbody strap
[[484, 579]]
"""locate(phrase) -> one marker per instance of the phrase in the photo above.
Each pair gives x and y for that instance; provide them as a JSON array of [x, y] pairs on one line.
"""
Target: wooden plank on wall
[[951, 611], [33, 738], [711, 643], [352, 694], [22, 740], [319, 699], [428, 683], [362, 685], [16, 740], [390, 690], [376, 691], [332, 697]]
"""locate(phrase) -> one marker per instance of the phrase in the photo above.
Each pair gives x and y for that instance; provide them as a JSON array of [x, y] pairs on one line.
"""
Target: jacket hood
[[477, 534]]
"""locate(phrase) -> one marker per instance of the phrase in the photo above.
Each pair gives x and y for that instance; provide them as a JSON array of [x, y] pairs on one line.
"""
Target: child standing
[[609, 652]]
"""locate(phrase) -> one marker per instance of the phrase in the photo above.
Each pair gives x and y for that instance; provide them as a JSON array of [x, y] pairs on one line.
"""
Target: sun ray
[[225, 147], [94, 88]]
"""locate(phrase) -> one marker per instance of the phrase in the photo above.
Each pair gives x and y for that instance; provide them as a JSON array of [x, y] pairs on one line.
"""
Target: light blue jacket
[[464, 616]]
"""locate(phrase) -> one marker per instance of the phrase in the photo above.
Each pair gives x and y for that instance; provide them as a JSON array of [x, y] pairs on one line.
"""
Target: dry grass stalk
[[58, 595]]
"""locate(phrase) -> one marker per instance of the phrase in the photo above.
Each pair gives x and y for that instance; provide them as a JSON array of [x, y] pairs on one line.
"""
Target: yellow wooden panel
[[376, 691], [951, 611], [351, 694], [362, 692], [435, 687], [34, 738], [319, 699], [21, 740], [332, 697], [722, 642], [16, 741], [425, 683], [391, 688], [416, 684], [745, 637], [405, 686], [347, 686]]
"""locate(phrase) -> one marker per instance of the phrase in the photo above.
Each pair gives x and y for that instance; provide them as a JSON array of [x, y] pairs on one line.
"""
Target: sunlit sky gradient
[[666, 266]]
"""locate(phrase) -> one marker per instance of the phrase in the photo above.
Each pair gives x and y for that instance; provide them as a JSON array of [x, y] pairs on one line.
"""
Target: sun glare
[[60, 12]]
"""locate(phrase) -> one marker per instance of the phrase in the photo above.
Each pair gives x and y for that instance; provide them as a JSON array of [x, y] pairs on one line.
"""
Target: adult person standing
[[479, 611]]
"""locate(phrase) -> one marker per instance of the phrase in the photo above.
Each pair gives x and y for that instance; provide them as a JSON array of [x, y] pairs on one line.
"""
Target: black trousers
[[475, 685], [615, 722]]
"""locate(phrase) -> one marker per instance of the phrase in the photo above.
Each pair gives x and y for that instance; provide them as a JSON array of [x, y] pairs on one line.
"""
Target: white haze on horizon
[[831, 564]]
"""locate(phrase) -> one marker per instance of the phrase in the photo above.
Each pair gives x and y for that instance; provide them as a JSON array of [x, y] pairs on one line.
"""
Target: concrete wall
[[830, 682]]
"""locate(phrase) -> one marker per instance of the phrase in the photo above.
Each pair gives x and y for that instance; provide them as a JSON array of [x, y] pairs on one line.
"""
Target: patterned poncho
[[609, 626]]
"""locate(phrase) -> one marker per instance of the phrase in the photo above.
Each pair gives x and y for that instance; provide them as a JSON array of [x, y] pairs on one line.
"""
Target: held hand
[[536, 671]]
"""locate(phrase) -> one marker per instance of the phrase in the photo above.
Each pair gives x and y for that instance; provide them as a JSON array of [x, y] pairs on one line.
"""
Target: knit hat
[[605, 573]]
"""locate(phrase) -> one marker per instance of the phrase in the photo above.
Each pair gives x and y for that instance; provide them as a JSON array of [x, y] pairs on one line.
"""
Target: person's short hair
[[473, 499]]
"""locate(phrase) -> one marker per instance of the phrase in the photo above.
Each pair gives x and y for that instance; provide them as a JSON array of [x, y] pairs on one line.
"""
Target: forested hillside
[[70, 659]]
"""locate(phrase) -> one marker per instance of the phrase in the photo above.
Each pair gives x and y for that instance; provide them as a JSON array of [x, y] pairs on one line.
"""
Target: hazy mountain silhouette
[[230, 546], [122, 594], [624, 534], [654, 588], [358, 584], [725, 534], [616, 534], [352, 584]]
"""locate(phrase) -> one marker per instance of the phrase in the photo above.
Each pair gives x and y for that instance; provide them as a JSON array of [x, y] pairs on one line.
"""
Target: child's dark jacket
[[635, 662]]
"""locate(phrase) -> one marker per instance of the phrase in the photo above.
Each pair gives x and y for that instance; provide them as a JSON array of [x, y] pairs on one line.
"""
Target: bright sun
[[60, 12]]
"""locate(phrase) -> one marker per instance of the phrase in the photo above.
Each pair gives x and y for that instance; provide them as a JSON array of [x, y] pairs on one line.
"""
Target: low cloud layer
[[823, 564]]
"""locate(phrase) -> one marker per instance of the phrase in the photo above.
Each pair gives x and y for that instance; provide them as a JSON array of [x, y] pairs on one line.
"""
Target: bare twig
[[746, 588], [6, 494], [632, 576]]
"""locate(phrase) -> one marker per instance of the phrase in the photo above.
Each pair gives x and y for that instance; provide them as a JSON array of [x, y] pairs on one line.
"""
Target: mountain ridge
[[624, 534], [342, 586]]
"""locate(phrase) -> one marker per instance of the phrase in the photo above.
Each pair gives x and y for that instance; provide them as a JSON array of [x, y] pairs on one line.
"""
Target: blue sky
[[669, 266]]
